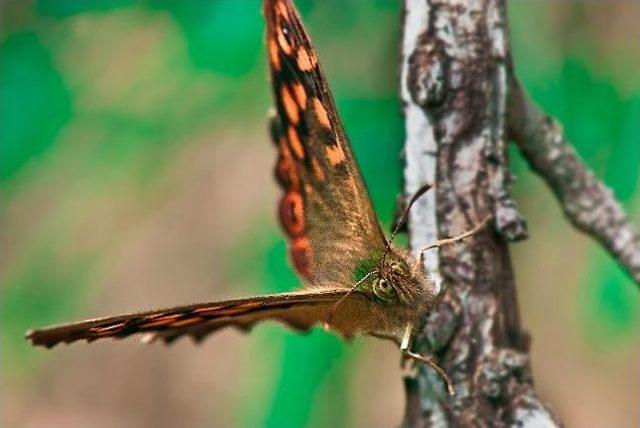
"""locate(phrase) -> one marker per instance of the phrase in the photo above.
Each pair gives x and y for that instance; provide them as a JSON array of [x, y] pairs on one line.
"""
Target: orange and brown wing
[[300, 310], [325, 209]]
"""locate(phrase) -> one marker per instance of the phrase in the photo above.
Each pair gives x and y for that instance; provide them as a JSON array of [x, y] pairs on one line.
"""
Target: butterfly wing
[[325, 210], [300, 310]]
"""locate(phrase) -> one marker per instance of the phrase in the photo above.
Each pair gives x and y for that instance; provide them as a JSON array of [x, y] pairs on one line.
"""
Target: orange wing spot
[[300, 94], [231, 311], [334, 154], [289, 104], [205, 311], [292, 214], [186, 322], [283, 10], [317, 169], [306, 61], [301, 255], [283, 42], [321, 113], [250, 305], [274, 58], [285, 168], [164, 320], [295, 143]]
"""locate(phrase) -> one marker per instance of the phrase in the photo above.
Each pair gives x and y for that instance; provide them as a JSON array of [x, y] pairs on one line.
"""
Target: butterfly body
[[356, 282], [399, 291]]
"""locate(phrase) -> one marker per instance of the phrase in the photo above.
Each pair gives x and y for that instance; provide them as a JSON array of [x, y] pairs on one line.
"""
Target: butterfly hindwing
[[325, 209]]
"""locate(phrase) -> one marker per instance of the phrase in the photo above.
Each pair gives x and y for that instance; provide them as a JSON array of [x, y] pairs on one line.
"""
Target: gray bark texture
[[461, 103]]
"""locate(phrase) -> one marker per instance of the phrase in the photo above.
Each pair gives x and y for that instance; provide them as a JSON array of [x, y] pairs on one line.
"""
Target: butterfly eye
[[383, 289]]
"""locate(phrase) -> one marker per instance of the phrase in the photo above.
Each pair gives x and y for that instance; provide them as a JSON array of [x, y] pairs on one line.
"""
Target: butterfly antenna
[[403, 218], [449, 241], [343, 298]]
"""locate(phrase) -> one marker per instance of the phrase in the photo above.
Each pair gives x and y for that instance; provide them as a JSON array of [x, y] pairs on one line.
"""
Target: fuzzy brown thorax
[[397, 281]]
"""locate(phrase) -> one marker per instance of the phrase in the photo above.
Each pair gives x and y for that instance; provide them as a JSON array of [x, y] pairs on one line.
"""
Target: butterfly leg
[[408, 354]]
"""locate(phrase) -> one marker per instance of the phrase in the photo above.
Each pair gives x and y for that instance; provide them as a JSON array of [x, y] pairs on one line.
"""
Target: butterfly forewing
[[300, 310], [325, 209]]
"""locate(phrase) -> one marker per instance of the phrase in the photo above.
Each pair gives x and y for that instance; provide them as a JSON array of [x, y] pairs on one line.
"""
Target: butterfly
[[356, 282]]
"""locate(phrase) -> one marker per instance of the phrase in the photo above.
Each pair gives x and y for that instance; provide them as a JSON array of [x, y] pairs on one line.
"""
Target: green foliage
[[218, 30], [34, 101], [609, 306], [38, 295], [66, 8], [376, 131]]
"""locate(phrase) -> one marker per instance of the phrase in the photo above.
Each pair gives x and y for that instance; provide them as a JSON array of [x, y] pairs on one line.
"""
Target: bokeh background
[[136, 174]]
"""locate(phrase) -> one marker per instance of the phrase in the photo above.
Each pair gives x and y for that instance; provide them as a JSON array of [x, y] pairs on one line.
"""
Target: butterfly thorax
[[397, 290], [395, 277]]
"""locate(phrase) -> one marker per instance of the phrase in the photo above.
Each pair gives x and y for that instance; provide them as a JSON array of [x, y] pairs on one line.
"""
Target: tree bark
[[462, 101], [455, 83]]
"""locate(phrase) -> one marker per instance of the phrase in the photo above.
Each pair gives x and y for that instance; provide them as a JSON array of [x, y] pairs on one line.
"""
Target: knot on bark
[[499, 369], [510, 224], [426, 78]]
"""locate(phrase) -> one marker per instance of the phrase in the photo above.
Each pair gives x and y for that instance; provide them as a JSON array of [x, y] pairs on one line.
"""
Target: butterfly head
[[397, 275], [397, 278]]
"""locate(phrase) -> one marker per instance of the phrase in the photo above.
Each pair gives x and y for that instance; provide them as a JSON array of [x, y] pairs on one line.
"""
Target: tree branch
[[587, 203], [454, 85]]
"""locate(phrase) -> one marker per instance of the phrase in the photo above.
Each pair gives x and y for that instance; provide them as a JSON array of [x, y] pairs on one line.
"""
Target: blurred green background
[[135, 174]]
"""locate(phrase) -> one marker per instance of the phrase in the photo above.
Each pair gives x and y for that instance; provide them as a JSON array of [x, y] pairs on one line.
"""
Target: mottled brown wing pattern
[[300, 310], [325, 209]]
